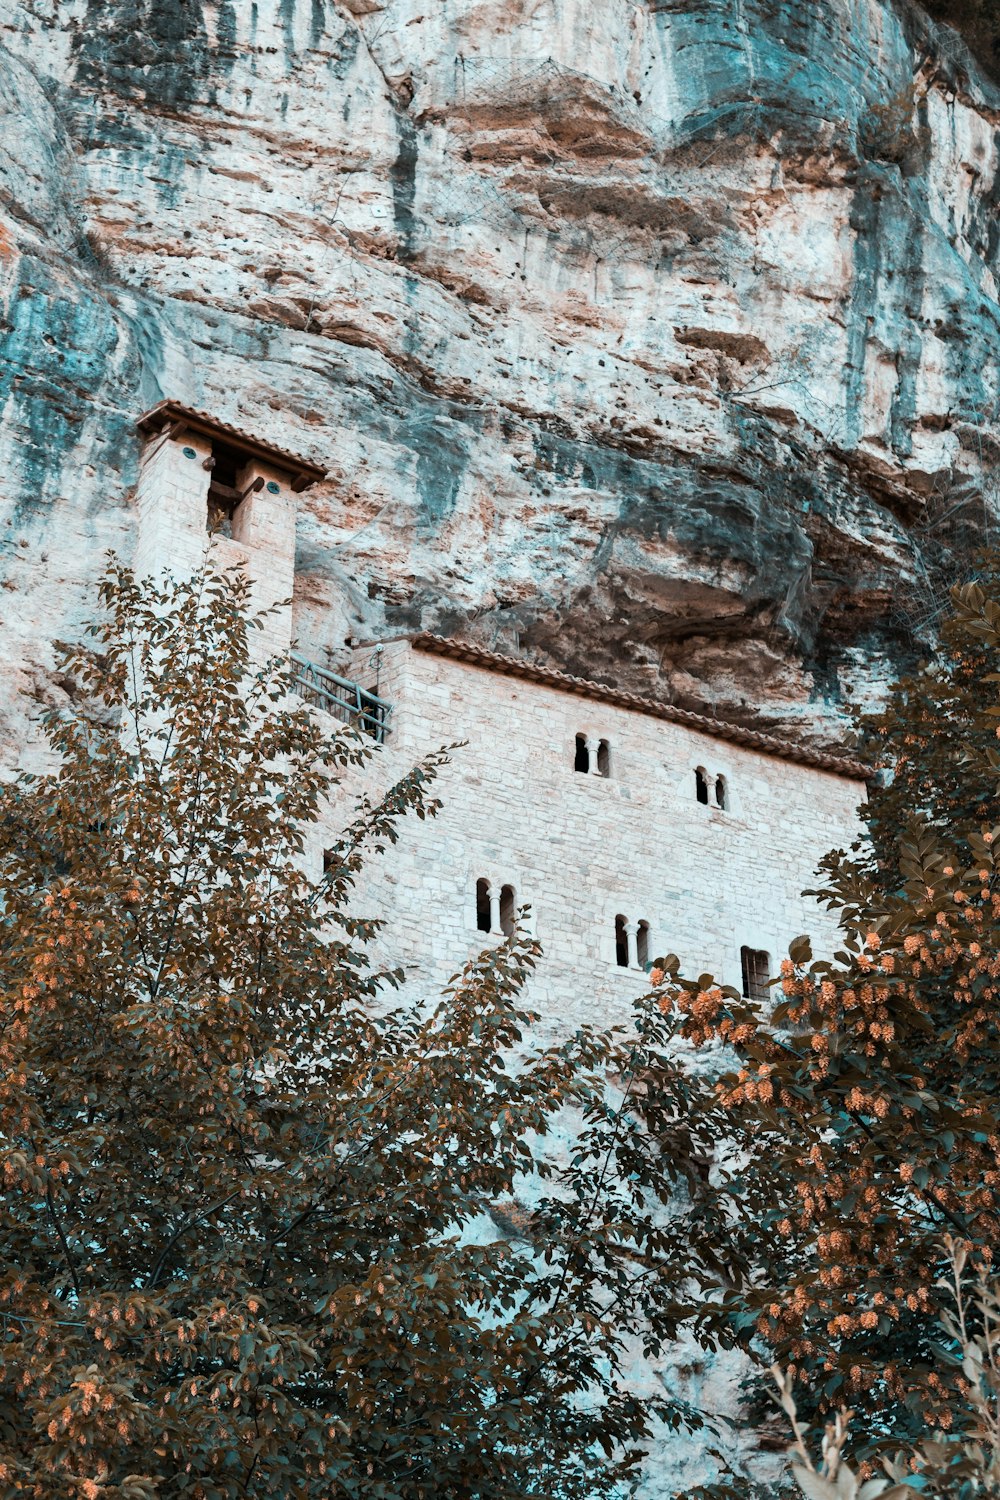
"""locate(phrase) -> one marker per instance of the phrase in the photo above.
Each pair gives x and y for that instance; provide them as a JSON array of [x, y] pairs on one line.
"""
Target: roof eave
[[301, 471], [737, 734]]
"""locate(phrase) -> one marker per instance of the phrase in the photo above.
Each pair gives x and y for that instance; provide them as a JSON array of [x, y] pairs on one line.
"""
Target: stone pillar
[[172, 496], [264, 527], [592, 766], [633, 951], [495, 929]]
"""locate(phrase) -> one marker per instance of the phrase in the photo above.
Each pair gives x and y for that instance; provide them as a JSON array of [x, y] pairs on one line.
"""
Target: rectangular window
[[756, 973]]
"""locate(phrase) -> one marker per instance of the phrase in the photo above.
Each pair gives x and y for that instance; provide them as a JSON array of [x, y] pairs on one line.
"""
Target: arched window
[[483, 921], [621, 942], [721, 793], [582, 761], [756, 973], [508, 910], [701, 785], [642, 945], [604, 758]]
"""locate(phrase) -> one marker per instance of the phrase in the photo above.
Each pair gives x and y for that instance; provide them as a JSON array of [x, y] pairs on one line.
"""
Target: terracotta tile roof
[[720, 729], [303, 471]]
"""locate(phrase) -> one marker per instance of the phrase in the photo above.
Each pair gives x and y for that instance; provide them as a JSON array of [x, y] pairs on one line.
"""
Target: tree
[[963, 1469], [246, 1244], [864, 1109]]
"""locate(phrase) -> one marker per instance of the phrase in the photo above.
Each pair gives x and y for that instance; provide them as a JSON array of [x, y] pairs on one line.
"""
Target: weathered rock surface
[[658, 338]]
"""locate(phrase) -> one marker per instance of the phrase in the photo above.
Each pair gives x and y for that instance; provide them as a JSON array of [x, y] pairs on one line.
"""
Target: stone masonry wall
[[581, 849]]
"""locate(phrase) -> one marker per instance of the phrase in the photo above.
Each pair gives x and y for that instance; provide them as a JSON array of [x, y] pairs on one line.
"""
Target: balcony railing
[[345, 700]]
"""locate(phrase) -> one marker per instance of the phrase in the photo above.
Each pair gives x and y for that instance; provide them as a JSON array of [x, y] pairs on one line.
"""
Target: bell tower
[[207, 487]]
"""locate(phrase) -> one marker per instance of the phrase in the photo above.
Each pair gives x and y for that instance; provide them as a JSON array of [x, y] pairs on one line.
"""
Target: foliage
[[930, 777], [955, 1469], [862, 1110], [834, 1479], [245, 1245], [969, 1466], [888, 133]]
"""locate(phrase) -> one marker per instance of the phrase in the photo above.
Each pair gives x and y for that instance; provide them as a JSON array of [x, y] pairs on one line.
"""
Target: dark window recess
[[329, 861], [604, 758], [721, 795], [223, 495], [483, 905], [642, 945], [701, 785], [373, 714], [222, 491], [621, 943], [508, 910], [582, 761], [756, 973]]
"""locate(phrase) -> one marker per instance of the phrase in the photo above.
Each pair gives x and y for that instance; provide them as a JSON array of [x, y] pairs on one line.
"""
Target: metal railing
[[346, 701]]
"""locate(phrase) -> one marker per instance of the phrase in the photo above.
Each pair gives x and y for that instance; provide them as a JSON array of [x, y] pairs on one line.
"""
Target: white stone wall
[[581, 848], [172, 499]]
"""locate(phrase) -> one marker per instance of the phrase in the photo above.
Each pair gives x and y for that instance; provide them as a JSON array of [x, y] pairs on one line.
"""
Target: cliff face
[[656, 338]]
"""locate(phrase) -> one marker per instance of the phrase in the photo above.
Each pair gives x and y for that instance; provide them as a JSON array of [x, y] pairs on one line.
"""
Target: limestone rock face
[[657, 339]]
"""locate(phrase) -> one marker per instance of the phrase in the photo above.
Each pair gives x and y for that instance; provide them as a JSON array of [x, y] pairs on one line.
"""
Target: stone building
[[629, 827]]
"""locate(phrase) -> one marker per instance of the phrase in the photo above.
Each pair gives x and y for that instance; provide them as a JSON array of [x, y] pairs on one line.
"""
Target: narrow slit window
[[756, 973], [329, 861], [582, 761], [621, 943], [642, 945], [483, 905], [701, 785], [721, 793], [604, 758], [508, 910]]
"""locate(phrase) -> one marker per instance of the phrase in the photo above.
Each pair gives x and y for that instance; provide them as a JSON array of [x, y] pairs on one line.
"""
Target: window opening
[[604, 758], [223, 496], [756, 973], [508, 902], [372, 715], [224, 461], [621, 942], [329, 860], [642, 945], [483, 922], [582, 761], [721, 795], [701, 784]]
